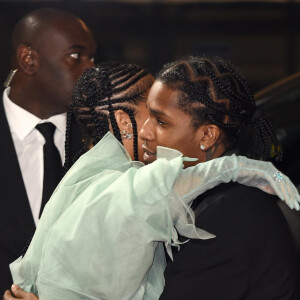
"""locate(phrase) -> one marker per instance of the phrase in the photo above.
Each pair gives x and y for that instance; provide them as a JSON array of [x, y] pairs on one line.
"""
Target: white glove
[[267, 178], [195, 180]]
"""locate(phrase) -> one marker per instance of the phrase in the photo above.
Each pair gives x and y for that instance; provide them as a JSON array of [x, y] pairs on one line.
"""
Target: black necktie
[[52, 162]]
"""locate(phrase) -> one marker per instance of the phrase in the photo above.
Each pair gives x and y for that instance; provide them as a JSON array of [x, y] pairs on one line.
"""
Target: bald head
[[51, 49], [33, 29]]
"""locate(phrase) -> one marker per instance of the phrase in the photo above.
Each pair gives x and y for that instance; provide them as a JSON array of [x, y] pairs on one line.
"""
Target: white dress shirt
[[29, 144]]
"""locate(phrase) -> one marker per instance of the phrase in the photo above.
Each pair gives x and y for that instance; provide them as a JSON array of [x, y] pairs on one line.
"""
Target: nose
[[146, 132]]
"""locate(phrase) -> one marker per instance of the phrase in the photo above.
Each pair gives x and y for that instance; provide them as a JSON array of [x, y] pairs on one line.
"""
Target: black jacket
[[16, 221], [252, 257]]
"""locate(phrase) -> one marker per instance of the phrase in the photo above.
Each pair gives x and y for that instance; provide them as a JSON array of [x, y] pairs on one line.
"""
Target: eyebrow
[[77, 47], [157, 112]]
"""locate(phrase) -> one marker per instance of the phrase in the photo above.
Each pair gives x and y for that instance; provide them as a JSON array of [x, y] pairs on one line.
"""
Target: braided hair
[[99, 92], [212, 91]]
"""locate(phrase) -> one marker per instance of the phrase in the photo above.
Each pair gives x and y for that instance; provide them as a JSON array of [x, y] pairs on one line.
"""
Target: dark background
[[262, 38]]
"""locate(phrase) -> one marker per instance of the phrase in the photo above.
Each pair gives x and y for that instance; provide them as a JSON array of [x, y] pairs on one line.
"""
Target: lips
[[149, 155]]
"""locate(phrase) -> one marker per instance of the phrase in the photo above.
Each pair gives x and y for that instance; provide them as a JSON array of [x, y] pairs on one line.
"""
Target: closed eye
[[160, 122]]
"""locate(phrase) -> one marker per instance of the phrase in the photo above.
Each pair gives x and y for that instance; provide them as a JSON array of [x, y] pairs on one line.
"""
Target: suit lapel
[[12, 185]]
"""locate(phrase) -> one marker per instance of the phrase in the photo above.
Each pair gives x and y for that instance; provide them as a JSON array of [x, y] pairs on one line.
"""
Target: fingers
[[18, 293], [8, 295]]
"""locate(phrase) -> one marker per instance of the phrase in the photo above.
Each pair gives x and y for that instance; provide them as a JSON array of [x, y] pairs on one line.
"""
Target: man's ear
[[27, 59], [209, 136]]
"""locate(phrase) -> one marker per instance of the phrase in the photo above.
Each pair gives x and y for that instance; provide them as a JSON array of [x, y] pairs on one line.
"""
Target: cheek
[[141, 118], [140, 122], [65, 84], [141, 152], [69, 74], [63, 77], [75, 73], [188, 146], [178, 139], [70, 77]]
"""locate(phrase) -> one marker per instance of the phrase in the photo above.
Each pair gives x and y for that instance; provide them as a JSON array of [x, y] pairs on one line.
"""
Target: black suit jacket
[[16, 221], [252, 257]]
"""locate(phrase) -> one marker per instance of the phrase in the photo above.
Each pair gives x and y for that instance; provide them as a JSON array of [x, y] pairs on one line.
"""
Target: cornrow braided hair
[[212, 91], [99, 92]]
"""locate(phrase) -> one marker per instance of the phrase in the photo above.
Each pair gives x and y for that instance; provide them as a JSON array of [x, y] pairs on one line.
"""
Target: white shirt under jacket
[[29, 144]]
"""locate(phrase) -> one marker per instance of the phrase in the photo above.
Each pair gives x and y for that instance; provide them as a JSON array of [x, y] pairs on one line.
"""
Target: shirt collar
[[22, 122], [60, 121]]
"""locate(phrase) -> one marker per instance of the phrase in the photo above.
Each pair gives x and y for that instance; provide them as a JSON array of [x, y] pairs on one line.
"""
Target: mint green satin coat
[[101, 234]]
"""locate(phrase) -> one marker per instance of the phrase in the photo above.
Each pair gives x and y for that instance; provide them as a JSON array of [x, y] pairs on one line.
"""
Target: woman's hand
[[18, 293]]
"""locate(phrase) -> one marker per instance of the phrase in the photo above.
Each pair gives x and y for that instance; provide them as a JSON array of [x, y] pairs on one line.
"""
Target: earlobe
[[27, 59], [210, 135]]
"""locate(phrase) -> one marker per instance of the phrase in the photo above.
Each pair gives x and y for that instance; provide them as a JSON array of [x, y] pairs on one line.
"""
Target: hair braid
[[135, 136], [114, 124], [101, 91], [212, 91], [264, 140], [68, 141], [133, 81], [135, 133], [224, 88]]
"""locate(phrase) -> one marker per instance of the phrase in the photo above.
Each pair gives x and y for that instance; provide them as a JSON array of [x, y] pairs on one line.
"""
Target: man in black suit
[[51, 48], [200, 106]]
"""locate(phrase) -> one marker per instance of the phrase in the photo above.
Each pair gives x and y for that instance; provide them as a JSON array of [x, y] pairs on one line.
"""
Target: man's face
[[168, 125], [65, 51]]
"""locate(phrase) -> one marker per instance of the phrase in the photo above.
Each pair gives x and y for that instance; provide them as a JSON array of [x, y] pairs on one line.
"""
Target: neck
[[215, 151], [25, 96]]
